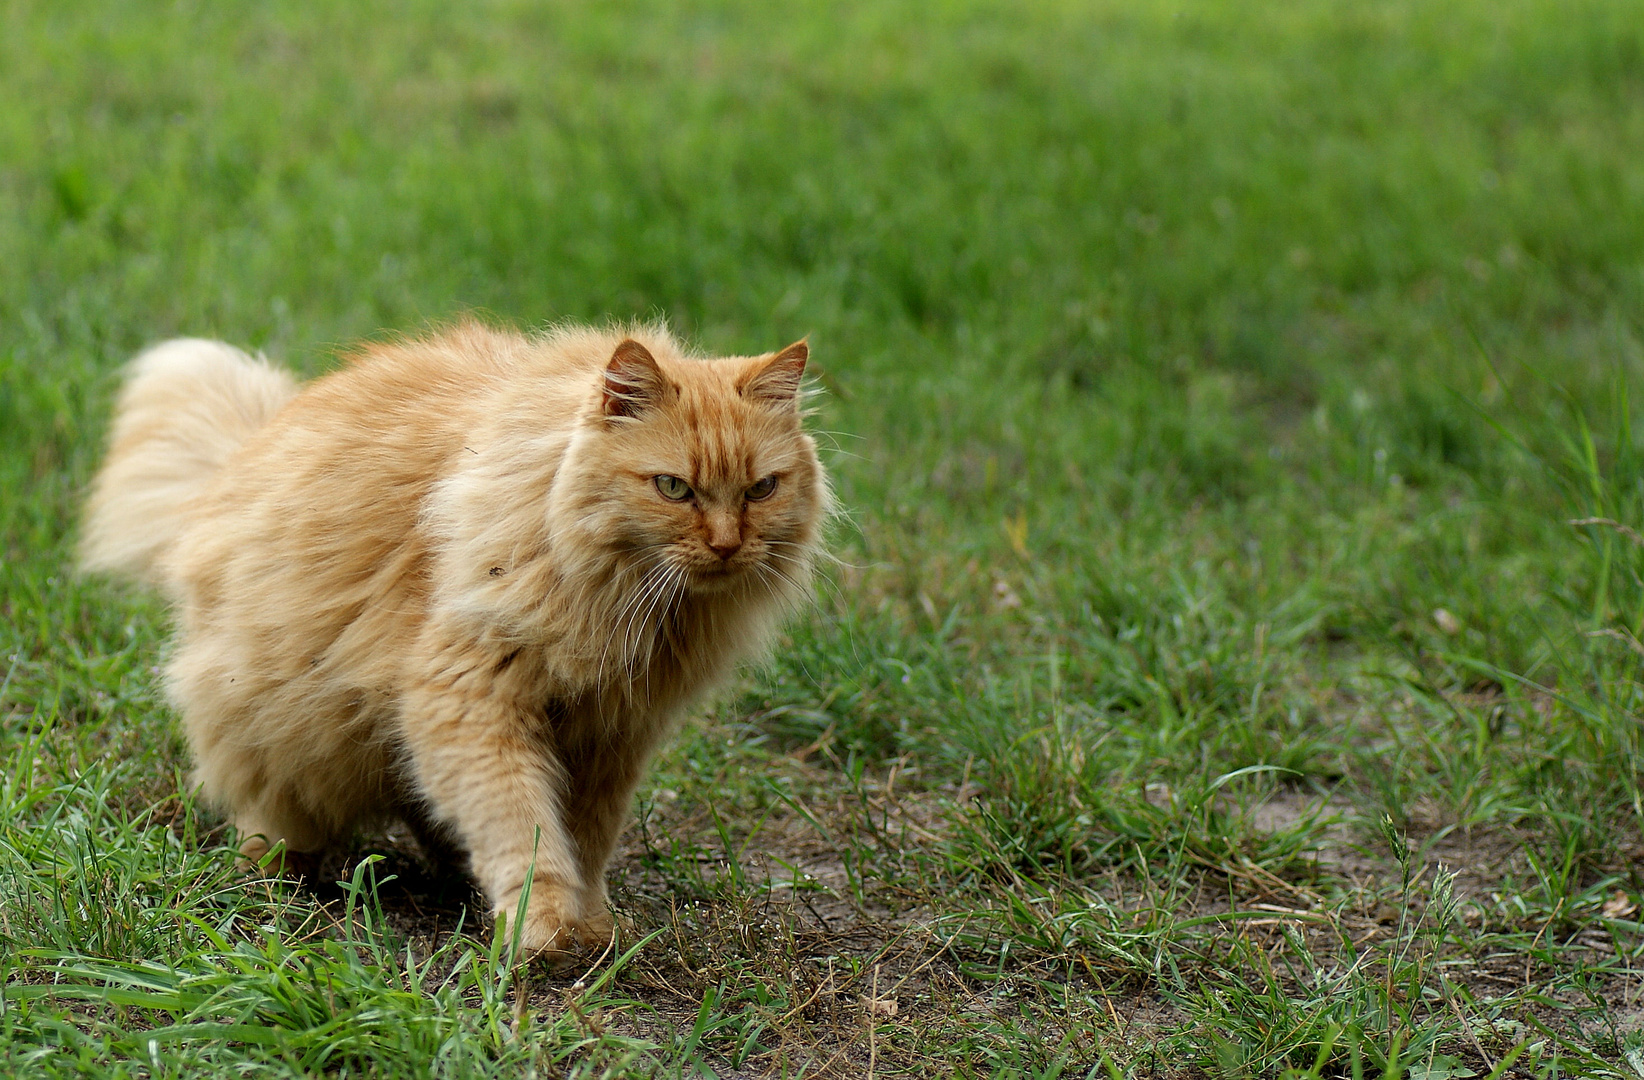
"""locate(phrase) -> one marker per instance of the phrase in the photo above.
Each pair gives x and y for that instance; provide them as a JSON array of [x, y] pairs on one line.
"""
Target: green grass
[[1182, 363]]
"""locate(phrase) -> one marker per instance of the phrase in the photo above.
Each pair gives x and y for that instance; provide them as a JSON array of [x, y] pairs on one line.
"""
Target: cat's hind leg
[[277, 821], [212, 683], [264, 809], [266, 813]]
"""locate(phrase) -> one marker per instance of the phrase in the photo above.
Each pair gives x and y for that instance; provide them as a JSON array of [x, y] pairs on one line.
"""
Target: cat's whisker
[[832, 442], [627, 653], [802, 565], [651, 580], [789, 595], [805, 567], [665, 599], [634, 597], [650, 628], [634, 627], [812, 555], [623, 634], [626, 595]]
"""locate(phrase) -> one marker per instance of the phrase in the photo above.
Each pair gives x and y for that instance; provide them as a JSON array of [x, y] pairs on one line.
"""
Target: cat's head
[[706, 479]]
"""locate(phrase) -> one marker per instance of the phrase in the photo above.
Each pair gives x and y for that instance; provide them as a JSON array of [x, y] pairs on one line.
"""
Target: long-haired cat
[[468, 580]]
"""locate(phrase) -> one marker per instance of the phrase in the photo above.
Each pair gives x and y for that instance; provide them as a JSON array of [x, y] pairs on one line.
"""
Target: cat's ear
[[776, 381], [633, 381]]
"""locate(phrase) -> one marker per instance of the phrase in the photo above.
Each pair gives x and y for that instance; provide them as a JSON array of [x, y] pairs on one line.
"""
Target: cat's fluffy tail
[[187, 405]]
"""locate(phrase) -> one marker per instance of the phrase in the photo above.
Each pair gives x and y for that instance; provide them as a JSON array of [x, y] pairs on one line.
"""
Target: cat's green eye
[[673, 488], [762, 489]]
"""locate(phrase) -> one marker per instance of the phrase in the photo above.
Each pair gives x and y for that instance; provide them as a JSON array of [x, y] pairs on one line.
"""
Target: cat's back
[[325, 499]]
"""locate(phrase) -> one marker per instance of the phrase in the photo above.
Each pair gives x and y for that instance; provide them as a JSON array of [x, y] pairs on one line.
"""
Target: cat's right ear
[[633, 381], [776, 381]]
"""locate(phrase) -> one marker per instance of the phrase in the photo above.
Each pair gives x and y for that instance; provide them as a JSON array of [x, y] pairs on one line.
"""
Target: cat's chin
[[716, 580]]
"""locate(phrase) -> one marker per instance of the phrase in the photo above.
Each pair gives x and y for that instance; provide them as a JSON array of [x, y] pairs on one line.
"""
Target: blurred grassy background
[[1183, 360]]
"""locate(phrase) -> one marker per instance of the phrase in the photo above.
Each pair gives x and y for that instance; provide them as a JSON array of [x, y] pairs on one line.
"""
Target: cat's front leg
[[486, 769], [599, 798]]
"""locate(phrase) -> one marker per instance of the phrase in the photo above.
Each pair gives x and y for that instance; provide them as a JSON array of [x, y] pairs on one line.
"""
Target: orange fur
[[443, 582]]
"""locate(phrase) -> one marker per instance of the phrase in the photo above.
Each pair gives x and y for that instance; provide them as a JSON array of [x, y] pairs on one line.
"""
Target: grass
[[1234, 664]]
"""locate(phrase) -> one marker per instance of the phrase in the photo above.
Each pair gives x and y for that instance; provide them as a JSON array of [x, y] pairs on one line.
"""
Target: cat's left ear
[[776, 381], [633, 381]]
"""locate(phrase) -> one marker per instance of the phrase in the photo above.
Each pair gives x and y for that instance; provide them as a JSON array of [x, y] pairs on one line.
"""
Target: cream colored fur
[[443, 584], [187, 406]]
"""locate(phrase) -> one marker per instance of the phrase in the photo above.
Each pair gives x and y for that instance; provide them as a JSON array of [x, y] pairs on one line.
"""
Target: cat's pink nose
[[723, 534]]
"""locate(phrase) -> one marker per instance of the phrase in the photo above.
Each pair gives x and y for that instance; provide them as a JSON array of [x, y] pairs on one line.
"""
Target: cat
[[469, 580]]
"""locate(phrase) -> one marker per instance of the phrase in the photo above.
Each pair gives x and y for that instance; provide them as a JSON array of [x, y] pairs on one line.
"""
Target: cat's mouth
[[717, 576]]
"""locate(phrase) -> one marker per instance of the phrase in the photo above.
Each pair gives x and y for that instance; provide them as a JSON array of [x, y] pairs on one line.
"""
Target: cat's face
[[707, 479]]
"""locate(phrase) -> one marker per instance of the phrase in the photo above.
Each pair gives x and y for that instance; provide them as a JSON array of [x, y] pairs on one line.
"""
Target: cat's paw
[[257, 856], [598, 926], [600, 921], [552, 928]]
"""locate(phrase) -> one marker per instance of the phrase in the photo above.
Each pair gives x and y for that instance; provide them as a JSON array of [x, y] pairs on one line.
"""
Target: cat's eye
[[761, 489], [673, 488]]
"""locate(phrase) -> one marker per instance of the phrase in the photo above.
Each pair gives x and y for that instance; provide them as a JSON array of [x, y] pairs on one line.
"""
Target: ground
[[1232, 663]]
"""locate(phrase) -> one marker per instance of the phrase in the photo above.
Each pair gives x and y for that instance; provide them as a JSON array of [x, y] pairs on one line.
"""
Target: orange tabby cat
[[468, 580]]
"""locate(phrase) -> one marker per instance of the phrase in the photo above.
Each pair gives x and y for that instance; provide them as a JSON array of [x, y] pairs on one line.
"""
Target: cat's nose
[[724, 536], [725, 547]]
